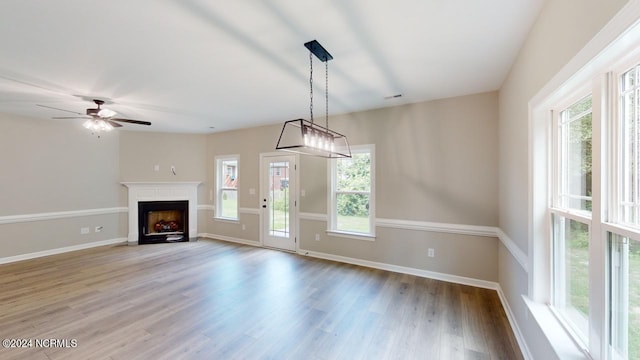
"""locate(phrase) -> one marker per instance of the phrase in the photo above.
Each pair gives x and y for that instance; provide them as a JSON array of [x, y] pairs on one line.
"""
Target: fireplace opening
[[163, 221]]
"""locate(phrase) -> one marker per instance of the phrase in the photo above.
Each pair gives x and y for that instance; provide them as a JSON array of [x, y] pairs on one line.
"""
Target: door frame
[[295, 212]]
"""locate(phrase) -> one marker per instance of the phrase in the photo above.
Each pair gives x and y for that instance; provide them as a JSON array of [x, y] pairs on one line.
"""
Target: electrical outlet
[[84, 231], [252, 191], [244, 227], [317, 237], [303, 193], [98, 229], [156, 168], [431, 252]]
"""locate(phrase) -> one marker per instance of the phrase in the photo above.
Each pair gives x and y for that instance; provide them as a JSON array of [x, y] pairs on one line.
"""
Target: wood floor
[[218, 300]]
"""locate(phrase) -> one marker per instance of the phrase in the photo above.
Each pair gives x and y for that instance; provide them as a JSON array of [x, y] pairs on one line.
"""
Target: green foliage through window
[[352, 195]]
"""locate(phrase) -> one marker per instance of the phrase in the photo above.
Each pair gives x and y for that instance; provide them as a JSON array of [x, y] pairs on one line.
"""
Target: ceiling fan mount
[[99, 112]]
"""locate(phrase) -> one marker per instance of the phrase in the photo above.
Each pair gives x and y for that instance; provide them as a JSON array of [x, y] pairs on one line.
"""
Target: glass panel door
[[279, 201]]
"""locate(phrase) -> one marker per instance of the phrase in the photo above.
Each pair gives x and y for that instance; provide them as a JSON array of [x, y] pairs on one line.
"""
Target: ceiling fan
[[98, 119]]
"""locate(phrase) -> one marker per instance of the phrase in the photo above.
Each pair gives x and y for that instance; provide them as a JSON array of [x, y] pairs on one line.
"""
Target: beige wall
[[247, 144], [141, 151], [37, 236], [55, 166], [436, 161], [58, 166], [562, 29], [43, 160]]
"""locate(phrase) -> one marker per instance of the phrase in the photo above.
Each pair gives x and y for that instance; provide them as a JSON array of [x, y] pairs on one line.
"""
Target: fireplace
[[162, 192], [163, 221]]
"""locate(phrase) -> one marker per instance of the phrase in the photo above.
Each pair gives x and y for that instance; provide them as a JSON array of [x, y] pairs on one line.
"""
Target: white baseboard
[[38, 254], [514, 325]]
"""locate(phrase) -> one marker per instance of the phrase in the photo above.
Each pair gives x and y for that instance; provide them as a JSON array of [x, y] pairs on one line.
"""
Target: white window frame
[[220, 160], [332, 194], [617, 225], [558, 183], [605, 217]]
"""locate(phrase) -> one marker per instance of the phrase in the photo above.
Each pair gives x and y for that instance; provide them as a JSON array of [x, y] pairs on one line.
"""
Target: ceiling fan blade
[[55, 108], [131, 121], [113, 123], [69, 117]]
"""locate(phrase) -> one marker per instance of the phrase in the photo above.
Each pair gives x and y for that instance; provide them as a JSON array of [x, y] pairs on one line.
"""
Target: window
[[571, 215], [596, 231], [351, 199], [624, 243], [584, 196], [227, 187]]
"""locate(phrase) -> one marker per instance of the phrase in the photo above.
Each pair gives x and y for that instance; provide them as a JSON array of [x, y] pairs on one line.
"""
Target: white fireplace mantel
[[161, 191]]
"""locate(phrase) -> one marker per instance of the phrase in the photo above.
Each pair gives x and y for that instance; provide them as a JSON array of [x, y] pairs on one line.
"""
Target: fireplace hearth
[[163, 221]]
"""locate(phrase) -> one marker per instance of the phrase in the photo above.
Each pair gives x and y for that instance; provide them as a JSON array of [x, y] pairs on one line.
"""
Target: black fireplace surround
[[163, 221]]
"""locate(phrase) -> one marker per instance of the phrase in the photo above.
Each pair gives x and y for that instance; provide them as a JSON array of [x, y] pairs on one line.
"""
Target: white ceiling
[[187, 66]]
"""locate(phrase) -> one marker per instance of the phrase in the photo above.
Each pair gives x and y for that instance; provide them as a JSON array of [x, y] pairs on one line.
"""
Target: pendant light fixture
[[305, 136]]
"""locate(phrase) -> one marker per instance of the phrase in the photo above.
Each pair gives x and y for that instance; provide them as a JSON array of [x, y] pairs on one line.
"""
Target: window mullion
[[562, 150], [597, 236], [636, 155]]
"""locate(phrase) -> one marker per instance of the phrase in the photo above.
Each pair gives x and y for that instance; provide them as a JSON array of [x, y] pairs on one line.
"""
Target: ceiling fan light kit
[[306, 137], [98, 119], [97, 125]]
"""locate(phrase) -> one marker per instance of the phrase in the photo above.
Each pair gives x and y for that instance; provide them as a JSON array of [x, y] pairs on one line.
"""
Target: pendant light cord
[[311, 85], [326, 91]]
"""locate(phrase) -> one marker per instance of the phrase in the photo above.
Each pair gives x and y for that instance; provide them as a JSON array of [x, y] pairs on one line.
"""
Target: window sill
[[561, 342], [350, 235], [227, 220]]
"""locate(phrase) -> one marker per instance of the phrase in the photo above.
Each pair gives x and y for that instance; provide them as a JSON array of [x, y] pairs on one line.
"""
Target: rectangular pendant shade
[[303, 137]]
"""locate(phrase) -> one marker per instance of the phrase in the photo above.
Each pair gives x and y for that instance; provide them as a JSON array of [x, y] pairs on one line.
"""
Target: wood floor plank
[[212, 299]]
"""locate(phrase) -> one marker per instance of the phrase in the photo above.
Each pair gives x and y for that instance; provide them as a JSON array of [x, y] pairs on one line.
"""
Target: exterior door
[[279, 201]]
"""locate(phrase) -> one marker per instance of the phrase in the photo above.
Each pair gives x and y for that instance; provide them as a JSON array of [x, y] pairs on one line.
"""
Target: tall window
[[595, 237], [227, 187], [624, 243], [571, 215], [351, 199]]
